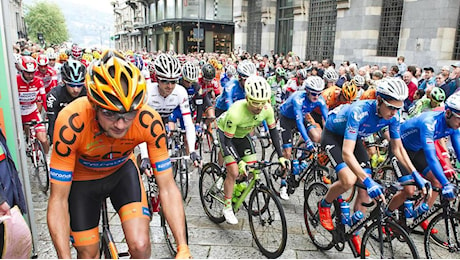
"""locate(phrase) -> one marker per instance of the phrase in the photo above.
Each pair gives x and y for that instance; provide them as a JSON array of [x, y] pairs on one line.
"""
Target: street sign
[[198, 35]]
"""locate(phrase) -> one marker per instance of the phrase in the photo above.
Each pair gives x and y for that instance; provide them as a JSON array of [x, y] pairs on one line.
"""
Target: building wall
[[16, 20]]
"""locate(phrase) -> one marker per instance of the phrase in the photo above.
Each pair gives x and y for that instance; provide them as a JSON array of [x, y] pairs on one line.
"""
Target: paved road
[[206, 239]]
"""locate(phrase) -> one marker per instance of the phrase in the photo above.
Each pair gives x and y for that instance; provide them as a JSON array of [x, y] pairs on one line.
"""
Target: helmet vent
[[114, 100], [97, 97], [100, 78]]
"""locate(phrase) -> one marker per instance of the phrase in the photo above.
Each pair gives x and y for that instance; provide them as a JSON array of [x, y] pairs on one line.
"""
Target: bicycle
[[383, 236], [37, 155], [206, 143], [266, 215], [107, 247], [179, 160], [154, 204]]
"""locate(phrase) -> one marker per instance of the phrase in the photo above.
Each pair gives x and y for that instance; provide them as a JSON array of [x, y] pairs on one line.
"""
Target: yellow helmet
[[96, 55], [87, 56], [349, 90], [115, 84], [63, 57]]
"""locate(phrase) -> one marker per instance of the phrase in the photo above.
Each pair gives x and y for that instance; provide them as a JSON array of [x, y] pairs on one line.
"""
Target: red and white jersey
[[212, 85], [30, 93], [49, 78], [293, 85]]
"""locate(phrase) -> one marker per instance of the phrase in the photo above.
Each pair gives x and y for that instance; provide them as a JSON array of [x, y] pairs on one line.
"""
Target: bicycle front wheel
[[183, 178], [321, 237], [445, 243], [168, 234], [211, 188], [388, 241], [267, 222], [41, 167]]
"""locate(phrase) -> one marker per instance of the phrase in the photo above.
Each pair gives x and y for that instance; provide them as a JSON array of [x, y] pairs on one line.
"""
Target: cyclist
[[140, 64], [294, 84], [52, 56], [166, 95], [92, 159], [434, 98], [31, 97], [234, 128], [73, 77], [230, 72], [344, 126], [209, 90], [419, 135], [292, 116], [46, 73], [234, 89], [359, 82], [331, 77], [276, 83]]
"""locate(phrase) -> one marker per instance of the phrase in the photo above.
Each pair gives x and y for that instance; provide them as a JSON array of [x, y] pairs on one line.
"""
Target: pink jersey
[[49, 78], [30, 93]]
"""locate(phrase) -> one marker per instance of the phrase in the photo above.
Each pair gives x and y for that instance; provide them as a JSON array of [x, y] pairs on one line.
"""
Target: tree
[[46, 18]]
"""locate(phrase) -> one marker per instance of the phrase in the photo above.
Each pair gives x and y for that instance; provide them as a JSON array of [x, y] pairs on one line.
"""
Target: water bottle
[[408, 208], [357, 216], [295, 167], [303, 165], [422, 208], [345, 208], [155, 202]]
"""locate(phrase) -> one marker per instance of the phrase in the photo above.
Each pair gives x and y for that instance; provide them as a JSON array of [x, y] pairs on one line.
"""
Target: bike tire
[[321, 238], [169, 237], [446, 242], [396, 242], [275, 173], [183, 178], [259, 147], [41, 167], [211, 194], [265, 211]]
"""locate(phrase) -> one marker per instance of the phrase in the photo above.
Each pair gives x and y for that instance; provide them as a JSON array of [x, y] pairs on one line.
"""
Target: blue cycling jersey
[[230, 93], [360, 119], [297, 105], [421, 131], [224, 80]]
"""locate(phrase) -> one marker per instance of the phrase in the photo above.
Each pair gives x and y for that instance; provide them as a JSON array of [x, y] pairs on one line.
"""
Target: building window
[[254, 26], [390, 26], [457, 40], [285, 25], [321, 29]]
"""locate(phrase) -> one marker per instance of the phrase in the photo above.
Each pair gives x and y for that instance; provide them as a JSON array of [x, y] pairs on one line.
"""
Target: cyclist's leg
[[286, 135], [363, 159], [313, 128], [131, 205]]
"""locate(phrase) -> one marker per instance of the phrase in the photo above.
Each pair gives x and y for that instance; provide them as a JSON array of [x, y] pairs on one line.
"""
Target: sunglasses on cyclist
[[257, 104], [115, 116], [390, 106], [315, 94], [165, 81], [455, 114], [75, 85]]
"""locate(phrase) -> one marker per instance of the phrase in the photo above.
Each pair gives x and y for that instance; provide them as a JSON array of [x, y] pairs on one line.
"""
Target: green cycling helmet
[[438, 95], [280, 72]]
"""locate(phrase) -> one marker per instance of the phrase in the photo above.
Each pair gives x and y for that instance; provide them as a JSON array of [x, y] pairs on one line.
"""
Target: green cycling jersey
[[238, 121], [421, 105], [276, 87]]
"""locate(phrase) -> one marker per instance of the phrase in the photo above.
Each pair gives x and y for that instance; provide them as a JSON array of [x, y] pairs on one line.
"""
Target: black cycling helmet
[[73, 72], [208, 71]]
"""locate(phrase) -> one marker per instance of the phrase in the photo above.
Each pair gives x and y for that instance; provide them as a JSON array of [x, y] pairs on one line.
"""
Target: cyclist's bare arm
[[58, 219], [171, 203], [350, 159]]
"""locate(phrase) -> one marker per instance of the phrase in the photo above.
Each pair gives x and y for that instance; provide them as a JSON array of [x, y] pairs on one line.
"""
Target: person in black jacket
[[73, 78]]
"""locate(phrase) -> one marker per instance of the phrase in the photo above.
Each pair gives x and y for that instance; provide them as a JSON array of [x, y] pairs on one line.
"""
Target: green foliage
[[47, 18]]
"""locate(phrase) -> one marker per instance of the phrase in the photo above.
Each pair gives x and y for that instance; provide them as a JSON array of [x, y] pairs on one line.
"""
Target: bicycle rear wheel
[[41, 166], [321, 237], [275, 173], [267, 222], [169, 237], [395, 242], [211, 188], [446, 242]]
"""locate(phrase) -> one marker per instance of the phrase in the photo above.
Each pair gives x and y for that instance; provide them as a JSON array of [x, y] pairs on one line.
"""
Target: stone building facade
[[426, 32]]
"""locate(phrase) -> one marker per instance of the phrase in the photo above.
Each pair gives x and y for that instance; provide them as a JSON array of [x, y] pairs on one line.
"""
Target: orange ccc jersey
[[82, 152]]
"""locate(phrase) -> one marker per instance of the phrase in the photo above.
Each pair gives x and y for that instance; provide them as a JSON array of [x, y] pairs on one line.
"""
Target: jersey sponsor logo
[[63, 140], [102, 164], [431, 126], [358, 116], [351, 130], [59, 175], [163, 165], [145, 117], [229, 124], [429, 141], [50, 101]]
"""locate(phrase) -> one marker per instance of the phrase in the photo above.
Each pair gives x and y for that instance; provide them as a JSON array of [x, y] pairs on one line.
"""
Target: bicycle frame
[[107, 242], [245, 193]]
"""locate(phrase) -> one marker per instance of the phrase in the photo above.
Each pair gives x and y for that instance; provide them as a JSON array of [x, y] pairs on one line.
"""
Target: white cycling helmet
[[246, 68], [230, 70], [257, 88], [453, 103], [190, 72], [359, 80], [314, 83], [302, 73], [167, 67], [392, 88], [52, 56], [330, 75]]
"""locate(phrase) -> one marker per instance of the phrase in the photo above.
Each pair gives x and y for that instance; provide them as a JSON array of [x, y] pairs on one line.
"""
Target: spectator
[[384, 70], [402, 67], [343, 77], [394, 71], [429, 79], [445, 70], [407, 77]]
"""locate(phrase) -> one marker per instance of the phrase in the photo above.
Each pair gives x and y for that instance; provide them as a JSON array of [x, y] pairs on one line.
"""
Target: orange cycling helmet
[[349, 90], [115, 84]]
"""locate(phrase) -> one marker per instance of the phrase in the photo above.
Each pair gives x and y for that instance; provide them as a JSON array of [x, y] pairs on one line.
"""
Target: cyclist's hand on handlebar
[[242, 168], [183, 252], [448, 191], [374, 189], [285, 163], [422, 183], [196, 159], [146, 167], [310, 146]]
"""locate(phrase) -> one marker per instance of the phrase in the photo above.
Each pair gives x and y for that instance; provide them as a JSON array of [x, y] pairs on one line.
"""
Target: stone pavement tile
[[232, 252], [300, 242], [219, 237], [316, 254]]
